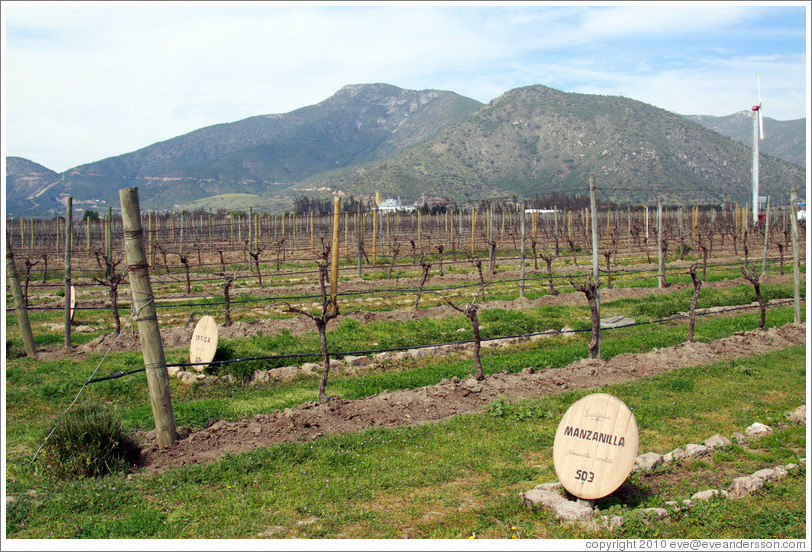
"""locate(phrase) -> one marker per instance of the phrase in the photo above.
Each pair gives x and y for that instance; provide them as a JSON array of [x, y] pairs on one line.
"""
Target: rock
[[717, 441], [546, 498], [357, 360], [260, 376], [648, 461], [187, 377], [285, 373], [310, 368], [10, 499], [798, 416], [697, 451], [791, 467], [780, 471], [549, 495], [616, 322], [758, 429], [572, 511], [528, 370], [705, 495], [687, 504], [659, 514], [543, 335], [742, 486], [766, 474], [604, 522], [173, 370], [738, 437], [675, 455], [567, 331]]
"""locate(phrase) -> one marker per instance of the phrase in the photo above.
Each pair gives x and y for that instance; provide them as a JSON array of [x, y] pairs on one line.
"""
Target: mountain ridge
[[379, 137]]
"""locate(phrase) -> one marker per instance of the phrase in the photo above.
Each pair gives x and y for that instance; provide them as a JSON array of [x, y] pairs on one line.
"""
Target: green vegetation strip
[[38, 391], [455, 479]]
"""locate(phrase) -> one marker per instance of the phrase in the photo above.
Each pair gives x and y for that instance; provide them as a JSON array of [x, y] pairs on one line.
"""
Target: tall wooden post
[[68, 241], [374, 234], [108, 237], [20, 306], [473, 230], [766, 237], [660, 242], [796, 256], [593, 203], [146, 316], [250, 237], [521, 219], [359, 233], [87, 236], [334, 267]]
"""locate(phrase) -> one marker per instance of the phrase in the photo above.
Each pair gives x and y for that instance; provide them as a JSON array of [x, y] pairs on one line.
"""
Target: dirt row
[[177, 337], [448, 398]]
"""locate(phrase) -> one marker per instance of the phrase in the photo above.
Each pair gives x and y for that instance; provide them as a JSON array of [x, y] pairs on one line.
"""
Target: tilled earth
[[448, 398]]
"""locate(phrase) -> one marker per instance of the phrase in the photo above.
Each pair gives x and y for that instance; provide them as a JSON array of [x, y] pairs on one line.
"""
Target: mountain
[[537, 140], [782, 139], [267, 153], [24, 179], [372, 138]]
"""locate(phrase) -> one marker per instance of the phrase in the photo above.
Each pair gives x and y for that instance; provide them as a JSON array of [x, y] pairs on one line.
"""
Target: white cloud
[[105, 80]]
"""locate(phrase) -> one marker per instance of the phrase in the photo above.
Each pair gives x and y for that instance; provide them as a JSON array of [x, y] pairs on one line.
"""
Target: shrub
[[14, 349], [88, 441]]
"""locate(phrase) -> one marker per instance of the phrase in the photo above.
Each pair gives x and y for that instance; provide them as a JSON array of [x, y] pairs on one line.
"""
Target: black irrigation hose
[[449, 343]]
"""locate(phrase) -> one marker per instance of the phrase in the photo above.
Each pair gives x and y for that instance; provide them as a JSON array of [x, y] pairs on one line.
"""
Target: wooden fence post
[[596, 327], [796, 256], [522, 220], [661, 262], [20, 305], [68, 241], [148, 332], [334, 267], [374, 234]]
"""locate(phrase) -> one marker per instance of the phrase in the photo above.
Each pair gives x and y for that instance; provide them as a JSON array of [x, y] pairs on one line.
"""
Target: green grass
[[452, 479]]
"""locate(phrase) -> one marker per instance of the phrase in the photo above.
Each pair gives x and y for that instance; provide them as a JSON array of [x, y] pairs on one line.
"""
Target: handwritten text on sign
[[204, 342]]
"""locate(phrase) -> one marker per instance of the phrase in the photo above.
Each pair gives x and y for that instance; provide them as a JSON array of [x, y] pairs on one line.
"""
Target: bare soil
[[433, 403], [180, 336]]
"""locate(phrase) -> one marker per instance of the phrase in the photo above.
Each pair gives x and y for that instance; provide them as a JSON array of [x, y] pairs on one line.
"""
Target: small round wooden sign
[[595, 446], [204, 342], [72, 302]]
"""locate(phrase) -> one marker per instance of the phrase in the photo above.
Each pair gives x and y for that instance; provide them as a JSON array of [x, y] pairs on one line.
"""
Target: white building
[[393, 205]]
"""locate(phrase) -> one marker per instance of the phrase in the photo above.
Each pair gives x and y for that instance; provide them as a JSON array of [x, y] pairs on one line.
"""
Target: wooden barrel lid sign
[[595, 446], [204, 342], [72, 303]]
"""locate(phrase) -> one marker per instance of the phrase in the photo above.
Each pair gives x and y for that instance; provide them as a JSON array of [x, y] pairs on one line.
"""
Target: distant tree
[[90, 215]]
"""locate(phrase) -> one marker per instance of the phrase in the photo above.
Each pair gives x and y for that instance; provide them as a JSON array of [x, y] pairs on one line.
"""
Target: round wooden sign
[[72, 302], [204, 342], [595, 446]]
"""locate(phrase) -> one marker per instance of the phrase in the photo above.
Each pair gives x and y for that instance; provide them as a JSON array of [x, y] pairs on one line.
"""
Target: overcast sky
[[82, 82]]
